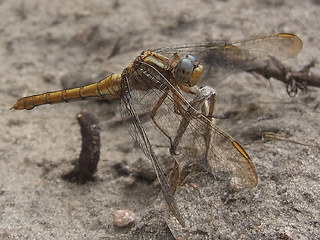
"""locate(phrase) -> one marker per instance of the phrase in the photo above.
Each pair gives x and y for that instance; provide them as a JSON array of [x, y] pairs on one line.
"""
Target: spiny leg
[[208, 109], [174, 178], [155, 110], [205, 98], [203, 103], [157, 106]]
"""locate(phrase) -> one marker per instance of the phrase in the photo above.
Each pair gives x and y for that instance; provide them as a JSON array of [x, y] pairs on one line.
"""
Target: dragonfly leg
[[208, 136], [154, 112], [179, 110], [203, 103], [174, 179]]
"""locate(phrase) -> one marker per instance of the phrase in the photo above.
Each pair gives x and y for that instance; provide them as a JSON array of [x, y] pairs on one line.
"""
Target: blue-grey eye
[[184, 70], [191, 58]]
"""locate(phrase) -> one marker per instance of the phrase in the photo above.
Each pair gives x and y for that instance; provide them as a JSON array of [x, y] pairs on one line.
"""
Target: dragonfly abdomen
[[107, 88]]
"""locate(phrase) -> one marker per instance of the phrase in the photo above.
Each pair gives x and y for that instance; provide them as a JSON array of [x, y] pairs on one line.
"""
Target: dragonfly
[[165, 84]]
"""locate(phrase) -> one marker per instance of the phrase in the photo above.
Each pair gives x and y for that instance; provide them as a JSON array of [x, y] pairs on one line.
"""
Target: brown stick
[[293, 79], [89, 157]]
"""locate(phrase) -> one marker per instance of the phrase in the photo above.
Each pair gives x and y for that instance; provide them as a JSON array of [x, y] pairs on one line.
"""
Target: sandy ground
[[48, 45]]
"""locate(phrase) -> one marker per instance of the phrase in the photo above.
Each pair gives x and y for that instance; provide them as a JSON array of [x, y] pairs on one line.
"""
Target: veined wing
[[222, 58], [223, 154], [205, 141], [134, 125]]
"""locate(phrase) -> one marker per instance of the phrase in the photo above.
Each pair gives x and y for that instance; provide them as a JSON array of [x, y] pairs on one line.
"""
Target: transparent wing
[[223, 58], [137, 131], [205, 141], [221, 151]]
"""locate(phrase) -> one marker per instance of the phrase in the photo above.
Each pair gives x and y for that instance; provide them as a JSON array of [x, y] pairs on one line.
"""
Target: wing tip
[[296, 42]]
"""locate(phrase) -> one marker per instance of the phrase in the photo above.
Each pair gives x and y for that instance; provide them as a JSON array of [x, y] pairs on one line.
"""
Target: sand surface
[[49, 45]]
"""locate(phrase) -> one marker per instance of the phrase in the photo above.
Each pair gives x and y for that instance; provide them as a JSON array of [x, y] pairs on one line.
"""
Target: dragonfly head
[[188, 71]]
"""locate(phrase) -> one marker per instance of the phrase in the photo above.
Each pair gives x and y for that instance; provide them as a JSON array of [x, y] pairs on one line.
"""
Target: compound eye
[[191, 58], [184, 70]]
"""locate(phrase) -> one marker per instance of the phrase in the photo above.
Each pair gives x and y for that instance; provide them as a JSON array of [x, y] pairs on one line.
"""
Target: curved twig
[[89, 157]]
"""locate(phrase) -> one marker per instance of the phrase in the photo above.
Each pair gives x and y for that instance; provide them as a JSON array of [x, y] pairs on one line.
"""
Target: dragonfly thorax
[[188, 71]]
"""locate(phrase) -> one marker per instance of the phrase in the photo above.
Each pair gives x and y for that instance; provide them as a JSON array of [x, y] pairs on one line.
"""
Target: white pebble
[[123, 218]]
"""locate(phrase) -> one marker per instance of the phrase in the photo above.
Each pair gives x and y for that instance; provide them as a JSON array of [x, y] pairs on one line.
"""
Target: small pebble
[[123, 218]]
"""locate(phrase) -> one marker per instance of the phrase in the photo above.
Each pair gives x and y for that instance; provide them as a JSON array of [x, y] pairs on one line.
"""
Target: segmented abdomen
[[107, 88]]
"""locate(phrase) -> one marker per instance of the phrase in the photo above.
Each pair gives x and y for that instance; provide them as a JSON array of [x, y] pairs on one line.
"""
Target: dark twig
[[89, 157], [293, 79]]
